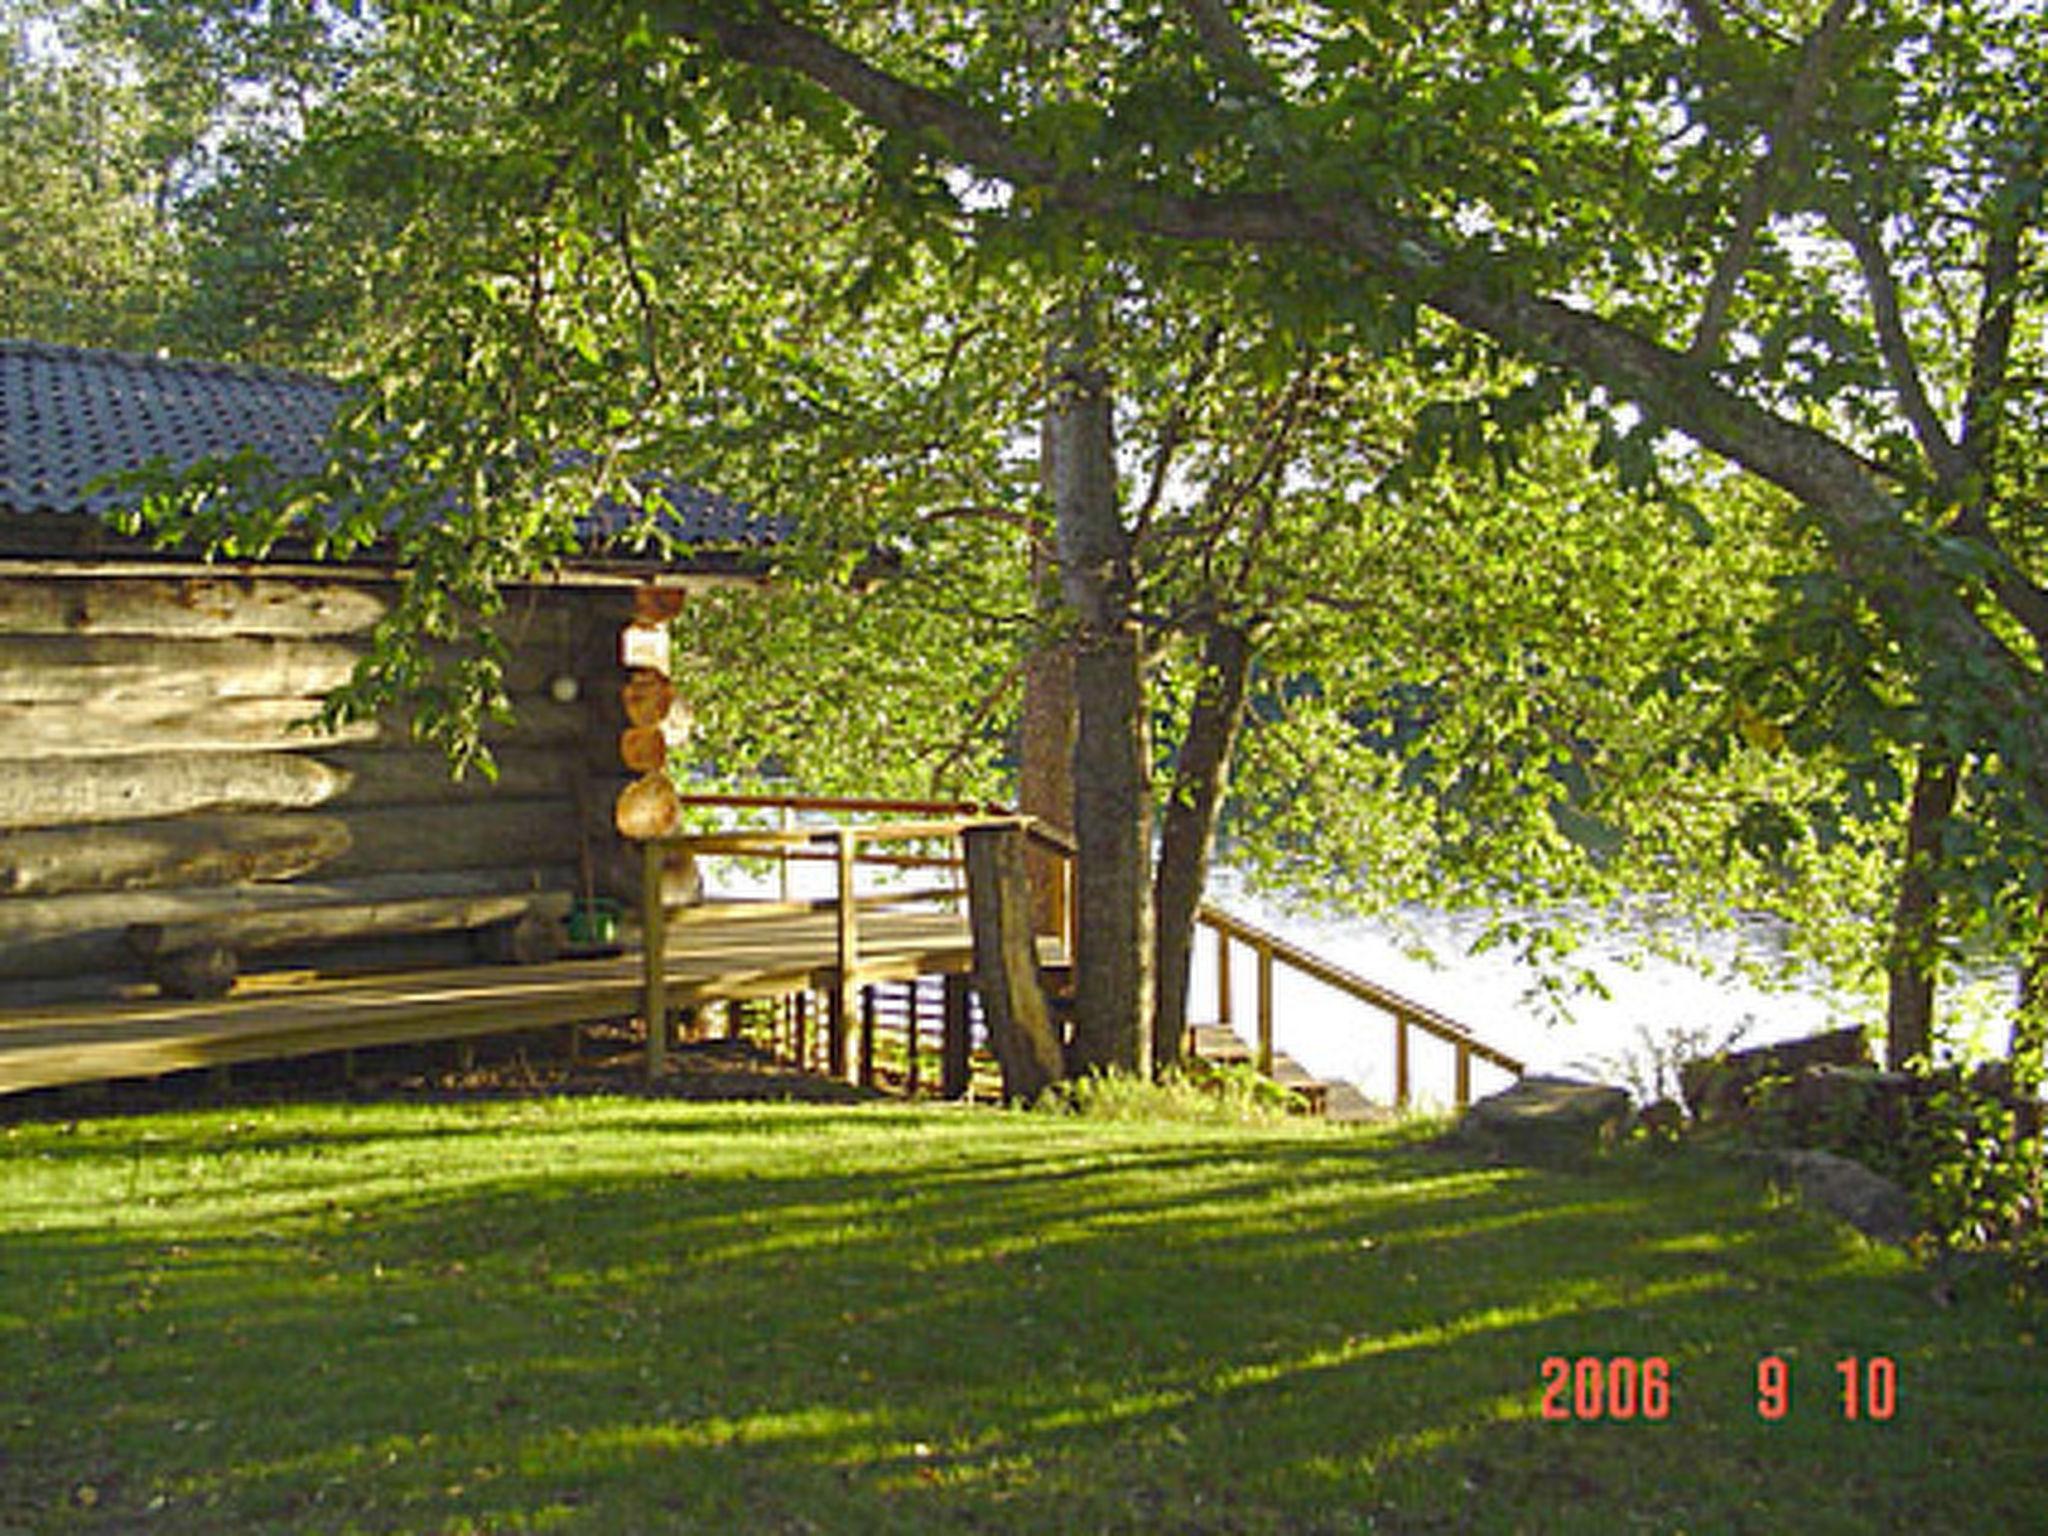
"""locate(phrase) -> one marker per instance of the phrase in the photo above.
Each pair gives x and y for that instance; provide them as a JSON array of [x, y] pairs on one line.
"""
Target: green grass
[[639, 1316]]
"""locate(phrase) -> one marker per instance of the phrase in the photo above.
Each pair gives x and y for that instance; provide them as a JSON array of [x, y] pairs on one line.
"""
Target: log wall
[[156, 766]]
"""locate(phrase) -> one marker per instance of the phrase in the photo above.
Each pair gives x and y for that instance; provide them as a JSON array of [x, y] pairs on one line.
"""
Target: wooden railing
[[1270, 950], [847, 846], [850, 846]]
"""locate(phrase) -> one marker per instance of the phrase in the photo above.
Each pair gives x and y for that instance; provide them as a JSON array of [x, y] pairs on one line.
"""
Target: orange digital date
[[1617, 1387]]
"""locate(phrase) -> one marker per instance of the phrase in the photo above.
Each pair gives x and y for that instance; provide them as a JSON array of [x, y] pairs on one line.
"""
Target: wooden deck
[[716, 953]]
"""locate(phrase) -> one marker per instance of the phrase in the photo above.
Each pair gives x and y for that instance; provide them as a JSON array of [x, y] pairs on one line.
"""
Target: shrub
[[1234, 1093], [1960, 1146]]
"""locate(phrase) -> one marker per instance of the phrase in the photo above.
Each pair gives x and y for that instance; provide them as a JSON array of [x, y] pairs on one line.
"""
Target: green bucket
[[594, 922]]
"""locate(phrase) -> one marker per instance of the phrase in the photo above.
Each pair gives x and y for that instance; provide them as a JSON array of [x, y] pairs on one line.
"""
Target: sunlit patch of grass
[[631, 1316]]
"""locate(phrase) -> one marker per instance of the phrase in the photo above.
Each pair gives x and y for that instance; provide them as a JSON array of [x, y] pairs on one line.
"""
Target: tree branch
[[1172, 433], [1781, 159], [1991, 347], [1228, 49], [1863, 523], [1944, 462]]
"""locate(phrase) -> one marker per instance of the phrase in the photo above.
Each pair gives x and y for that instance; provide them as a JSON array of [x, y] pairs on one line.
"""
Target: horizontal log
[[224, 850], [90, 790], [86, 934], [47, 669], [342, 921], [39, 732], [198, 850], [195, 606]]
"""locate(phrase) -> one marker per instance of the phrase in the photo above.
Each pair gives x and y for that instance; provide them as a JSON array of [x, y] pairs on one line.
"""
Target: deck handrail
[[842, 845], [951, 819], [840, 803], [1270, 949]]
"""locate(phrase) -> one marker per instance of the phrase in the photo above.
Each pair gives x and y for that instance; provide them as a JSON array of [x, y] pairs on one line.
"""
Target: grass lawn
[[646, 1316]]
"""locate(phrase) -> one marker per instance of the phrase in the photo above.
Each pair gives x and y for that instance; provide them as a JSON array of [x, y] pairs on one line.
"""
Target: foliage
[[1959, 1143], [1382, 281], [1229, 1093], [1976, 1173], [88, 256]]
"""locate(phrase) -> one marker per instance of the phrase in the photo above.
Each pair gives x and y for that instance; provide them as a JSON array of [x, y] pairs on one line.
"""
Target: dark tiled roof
[[70, 416]]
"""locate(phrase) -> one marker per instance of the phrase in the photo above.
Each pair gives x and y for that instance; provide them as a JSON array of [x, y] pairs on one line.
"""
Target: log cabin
[[167, 814]]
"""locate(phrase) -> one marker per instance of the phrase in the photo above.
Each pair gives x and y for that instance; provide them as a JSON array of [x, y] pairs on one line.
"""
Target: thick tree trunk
[[1201, 769], [1112, 811], [1020, 1027], [1045, 748], [1910, 961]]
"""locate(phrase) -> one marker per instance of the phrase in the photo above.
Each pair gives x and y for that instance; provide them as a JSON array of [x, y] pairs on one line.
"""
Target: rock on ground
[[1543, 1118], [1867, 1201], [1719, 1087]]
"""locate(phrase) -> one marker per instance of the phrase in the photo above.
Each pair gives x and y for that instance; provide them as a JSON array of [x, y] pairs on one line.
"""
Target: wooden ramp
[[708, 959]]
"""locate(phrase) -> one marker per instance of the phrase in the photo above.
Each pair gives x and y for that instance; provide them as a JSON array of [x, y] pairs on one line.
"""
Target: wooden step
[[1217, 1042], [1331, 1098], [1346, 1105]]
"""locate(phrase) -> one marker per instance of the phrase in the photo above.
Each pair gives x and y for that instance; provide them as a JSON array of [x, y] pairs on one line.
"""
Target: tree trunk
[[1045, 748], [1201, 769], [1112, 811], [1909, 1010], [2027, 1058], [1020, 1029]]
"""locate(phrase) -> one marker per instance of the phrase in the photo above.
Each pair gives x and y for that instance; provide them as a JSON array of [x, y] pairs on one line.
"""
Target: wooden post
[[912, 1071], [799, 1029], [1223, 1002], [1006, 961], [840, 1004], [1464, 1085], [653, 958], [867, 1037], [735, 1020], [1265, 953], [956, 1077], [1401, 1061]]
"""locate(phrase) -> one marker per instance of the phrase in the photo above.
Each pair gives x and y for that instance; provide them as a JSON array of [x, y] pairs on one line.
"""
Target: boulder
[[1542, 1119], [1867, 1201], [1849, 1107], [1719, 1087]]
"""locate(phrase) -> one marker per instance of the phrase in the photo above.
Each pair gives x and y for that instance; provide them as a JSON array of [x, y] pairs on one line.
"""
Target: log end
[[207, 971]]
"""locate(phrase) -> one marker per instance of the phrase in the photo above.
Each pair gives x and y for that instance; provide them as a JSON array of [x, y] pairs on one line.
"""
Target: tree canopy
[[1426, 327]]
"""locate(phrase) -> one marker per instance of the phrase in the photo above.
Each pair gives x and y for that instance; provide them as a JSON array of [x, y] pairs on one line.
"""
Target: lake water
[[1655, 1010]]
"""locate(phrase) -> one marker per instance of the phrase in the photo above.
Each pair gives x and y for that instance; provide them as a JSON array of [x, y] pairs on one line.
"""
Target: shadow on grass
[[635, 1319]]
